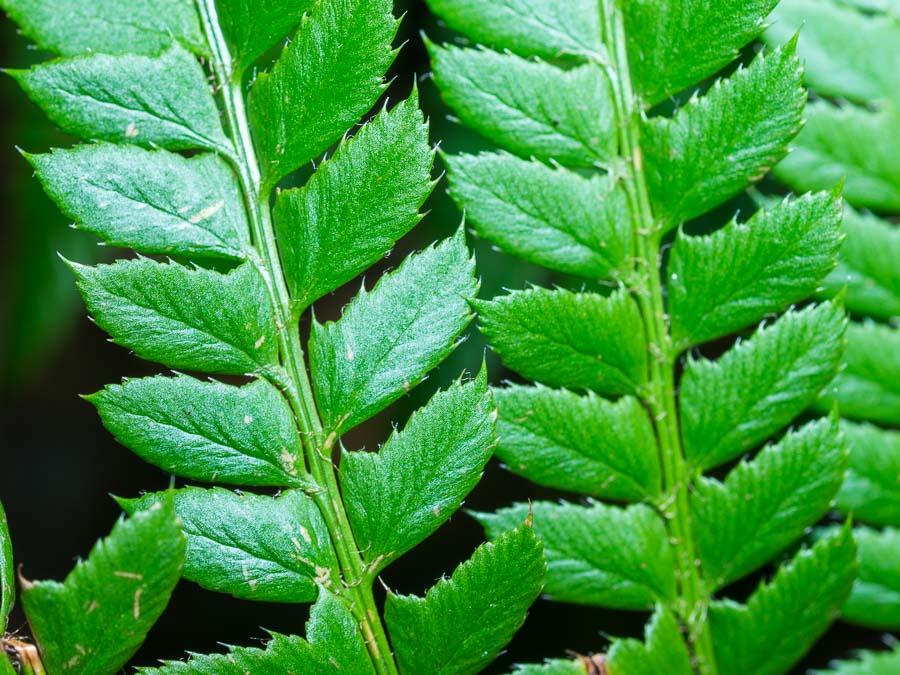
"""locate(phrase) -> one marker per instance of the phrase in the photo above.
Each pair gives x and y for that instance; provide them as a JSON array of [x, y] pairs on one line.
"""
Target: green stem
[[351, 572], [659, 394]]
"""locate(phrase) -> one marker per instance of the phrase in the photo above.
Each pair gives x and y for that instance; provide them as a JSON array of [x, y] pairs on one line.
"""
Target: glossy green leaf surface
[[398, 496], [866, 663], [766, 504], [869, 386], [327, 77], [356, 205], [149, 200], [206, 431], [867, 266], [852, 143], [463, 622], [720, 143], [333, 644], [150, 101], [251, 546], [847, 53], [582, 444], [552, 667], [7, 572], [560, 338], [662, 651], [598, 554], [72, 27], [871, 490], [252, 28], [98, 617], [784, 617], [531, 108], [418, 311], [184, 318], [546, 215], [544, 28], [738, 275], [674, 44], [875, 600], [731, 405]]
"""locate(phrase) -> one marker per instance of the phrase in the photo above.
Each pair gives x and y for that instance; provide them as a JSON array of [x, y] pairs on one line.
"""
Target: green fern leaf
[[745, 122], [867, 267], [848, 53], [189, 207], [404, 492], [195, 319], [866, 663], [324, 81], [544, 28], [663, 649], [676, 43], [871, 490], [562, 338], [206, 431], [582, 444], [784, 617], [333, 644], [97, 618], [251, 546], [463, 622], [875, 600], [73, 27], [327, 229], [765, 505], [418, 312], [849, 143], [7, 572], [530, 108], [788, 363], [252, 28], [547, 215], [597, 554], [869, 386], [104, 97], [741, 273]]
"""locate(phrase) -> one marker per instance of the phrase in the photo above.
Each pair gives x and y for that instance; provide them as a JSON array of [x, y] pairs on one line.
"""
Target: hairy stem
[[659, 395], [350, 576]]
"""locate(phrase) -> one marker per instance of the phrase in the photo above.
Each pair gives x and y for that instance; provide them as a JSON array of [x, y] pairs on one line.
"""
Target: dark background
[[58, 465]]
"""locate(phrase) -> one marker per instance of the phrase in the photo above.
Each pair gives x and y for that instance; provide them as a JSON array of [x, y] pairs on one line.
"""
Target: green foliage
[[866, 663], [190, 132], [189, 207], [71, 27], [417, 311], [326, 78], [97, 618], [663, 649], [206, 431], [333, 643], [418, 479], [582, 444], [602, 183], [101, 97], [467, 618], [545, 226], [562, 338], [852, 135], [630, 567], [251, 546], [7, 572], [326, 240], [184, 318], [786, 615], [875, 601]]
